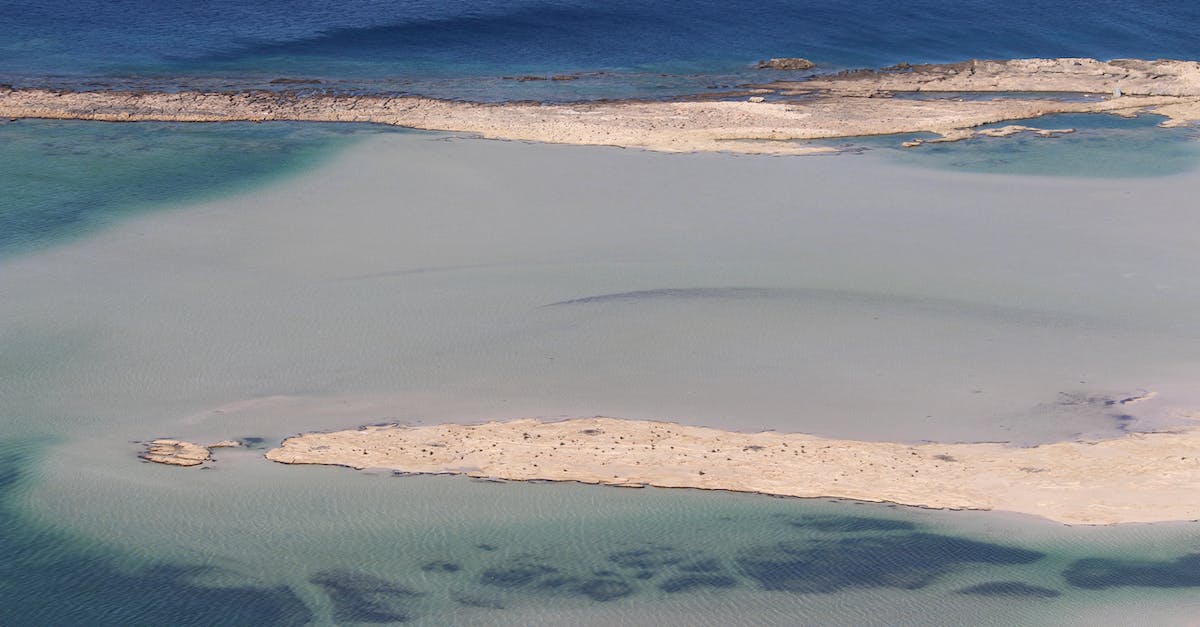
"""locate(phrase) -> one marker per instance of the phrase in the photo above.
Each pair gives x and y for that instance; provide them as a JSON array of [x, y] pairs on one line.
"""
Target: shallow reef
[[1010, 589], [362, 598], [1098, 573], [902, 560]]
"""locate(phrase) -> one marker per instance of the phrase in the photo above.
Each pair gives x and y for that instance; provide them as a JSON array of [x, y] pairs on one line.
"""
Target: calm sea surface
[[625, 48], [240, 280]]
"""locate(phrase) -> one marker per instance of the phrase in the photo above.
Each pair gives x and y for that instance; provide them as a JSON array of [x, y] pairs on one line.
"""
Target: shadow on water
[[49, 579]]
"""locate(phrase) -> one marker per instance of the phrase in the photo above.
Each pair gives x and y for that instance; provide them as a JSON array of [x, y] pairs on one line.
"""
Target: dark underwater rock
[[1098, 573], [691, 582], [362, 598], [852, 524], [605, 589], [516, 575], [479, 602], [649, 558], [702, 566], [557, 582], [1010, 589], [902, 560], [441, 567]]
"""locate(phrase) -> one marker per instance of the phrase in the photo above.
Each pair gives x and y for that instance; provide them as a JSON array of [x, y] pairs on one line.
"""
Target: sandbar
[[1140, 477], [844, 105]]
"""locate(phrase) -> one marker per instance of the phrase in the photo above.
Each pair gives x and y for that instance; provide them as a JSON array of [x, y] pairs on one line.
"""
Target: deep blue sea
[[91, 537], [459, 48]]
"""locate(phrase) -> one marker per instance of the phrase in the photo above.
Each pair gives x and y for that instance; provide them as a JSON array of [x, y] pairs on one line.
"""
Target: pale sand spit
[[1141, 477], [830, 107]]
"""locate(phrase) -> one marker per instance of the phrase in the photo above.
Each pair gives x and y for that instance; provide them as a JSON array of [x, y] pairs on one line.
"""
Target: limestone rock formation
[[181, 453], [786, 63]]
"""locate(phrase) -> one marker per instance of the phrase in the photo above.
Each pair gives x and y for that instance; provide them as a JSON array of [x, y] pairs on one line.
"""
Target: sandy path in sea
[[849, 105]]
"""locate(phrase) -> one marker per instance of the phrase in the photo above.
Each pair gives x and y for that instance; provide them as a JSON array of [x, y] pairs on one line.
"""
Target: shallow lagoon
[[67, 178], [421, 278], [1101, 146]]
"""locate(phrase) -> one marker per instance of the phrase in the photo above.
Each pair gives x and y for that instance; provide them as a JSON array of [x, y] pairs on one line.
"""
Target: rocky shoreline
[[773, 121], [1141, 477]]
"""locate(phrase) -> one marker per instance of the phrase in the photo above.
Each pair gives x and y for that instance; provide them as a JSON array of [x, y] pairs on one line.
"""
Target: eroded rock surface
[[181, 453]]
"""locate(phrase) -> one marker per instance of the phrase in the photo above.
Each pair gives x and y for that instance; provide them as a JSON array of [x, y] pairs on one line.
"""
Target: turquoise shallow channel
[[65, 178], [1101, 146]]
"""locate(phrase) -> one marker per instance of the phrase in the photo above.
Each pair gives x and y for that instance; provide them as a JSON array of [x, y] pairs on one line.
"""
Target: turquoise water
[[232, 280], [65, 178], [435, 550], [1102, 146], [51, 578], [398, 267]]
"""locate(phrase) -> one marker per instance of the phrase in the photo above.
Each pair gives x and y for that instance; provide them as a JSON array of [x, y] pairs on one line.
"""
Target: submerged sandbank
[[846, 105], [1141, 477]]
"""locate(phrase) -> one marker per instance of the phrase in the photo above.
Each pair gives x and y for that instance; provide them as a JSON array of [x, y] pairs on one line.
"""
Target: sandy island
[[848, 104], [1141, 477]]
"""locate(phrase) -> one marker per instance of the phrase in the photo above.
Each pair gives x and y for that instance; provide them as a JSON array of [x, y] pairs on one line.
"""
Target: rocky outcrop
[[1003, 131], [1078, 75], [181, 453], [786, 63]]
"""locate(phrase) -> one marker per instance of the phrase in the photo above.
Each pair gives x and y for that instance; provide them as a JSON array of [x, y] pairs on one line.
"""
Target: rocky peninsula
[[1141, 477], [775, 120]]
